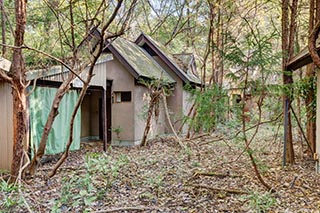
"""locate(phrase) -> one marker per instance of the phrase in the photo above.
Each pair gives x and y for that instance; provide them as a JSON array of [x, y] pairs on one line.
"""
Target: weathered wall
[[6, 130], [140, 110], [100, 75], [187, 105], [122, 113], [175, 101]]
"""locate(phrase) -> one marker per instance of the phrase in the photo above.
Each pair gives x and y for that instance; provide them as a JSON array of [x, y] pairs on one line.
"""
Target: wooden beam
[[301, 59]]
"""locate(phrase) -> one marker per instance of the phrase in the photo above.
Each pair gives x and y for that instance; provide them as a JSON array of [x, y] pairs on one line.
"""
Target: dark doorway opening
[[92, 115], [109, 112]]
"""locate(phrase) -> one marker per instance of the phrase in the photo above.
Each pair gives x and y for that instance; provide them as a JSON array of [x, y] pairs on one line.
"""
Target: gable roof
[[186, 62], [138, 62], [167, 58]]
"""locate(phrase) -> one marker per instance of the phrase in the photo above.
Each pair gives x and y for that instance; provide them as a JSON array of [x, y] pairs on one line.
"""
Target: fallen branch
[[230, 191], [219, 175], [130, 208], [197, 137]]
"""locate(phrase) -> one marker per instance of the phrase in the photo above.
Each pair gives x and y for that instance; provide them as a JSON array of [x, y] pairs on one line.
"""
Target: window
[[122, 97]]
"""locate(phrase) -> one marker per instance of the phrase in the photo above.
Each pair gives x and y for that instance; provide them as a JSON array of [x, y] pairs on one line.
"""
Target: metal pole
[[286, 109]]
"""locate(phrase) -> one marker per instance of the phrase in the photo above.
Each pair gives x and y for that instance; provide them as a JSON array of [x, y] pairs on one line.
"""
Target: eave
[[143, 39], [303, 58]]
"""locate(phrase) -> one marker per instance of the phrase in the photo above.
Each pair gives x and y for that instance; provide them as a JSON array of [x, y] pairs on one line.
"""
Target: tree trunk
[[287, 49], [154, 99], [310, 75], [3, 27], [19, 91]]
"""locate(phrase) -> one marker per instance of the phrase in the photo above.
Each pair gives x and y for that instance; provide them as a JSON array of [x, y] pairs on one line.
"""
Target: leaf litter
[[209, 175]]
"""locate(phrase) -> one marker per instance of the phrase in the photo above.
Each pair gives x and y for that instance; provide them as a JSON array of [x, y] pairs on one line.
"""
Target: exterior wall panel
[[175, 101], [141, 101], [6, 131], [123, 112]]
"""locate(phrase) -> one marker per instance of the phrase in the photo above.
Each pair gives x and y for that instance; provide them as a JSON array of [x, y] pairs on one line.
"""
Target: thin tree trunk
[[3, 27], [310, 75], [287, 48], [19, 91], [155, 96], [46, 130], [74, 114]]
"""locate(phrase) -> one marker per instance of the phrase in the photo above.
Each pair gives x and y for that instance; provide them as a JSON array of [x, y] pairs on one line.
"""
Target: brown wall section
[[140, 110], [6, 131], [175, 101], [123, 112]]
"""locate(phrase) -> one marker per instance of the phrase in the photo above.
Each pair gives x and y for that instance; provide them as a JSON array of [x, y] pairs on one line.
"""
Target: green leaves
[[80, 191], [211, 108]]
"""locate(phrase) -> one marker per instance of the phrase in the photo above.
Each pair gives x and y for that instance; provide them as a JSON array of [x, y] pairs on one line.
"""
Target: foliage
[[211, 108], [81, 190], [9, 197], [117, 130], [302, 89], [260, 202]]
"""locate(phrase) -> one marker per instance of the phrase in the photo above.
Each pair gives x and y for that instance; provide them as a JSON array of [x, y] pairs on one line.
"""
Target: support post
[[104, 119], [316, 154], [286, 112]]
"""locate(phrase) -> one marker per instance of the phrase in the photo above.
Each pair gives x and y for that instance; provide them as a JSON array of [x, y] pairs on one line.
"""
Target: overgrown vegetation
[[237, 46], [9, 197], [79, 191]]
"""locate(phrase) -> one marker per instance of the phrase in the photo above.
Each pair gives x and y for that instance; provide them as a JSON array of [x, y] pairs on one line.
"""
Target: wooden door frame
[[106, 105]]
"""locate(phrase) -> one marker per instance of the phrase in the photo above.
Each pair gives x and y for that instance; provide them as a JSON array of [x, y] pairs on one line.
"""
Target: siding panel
[[6, 131]]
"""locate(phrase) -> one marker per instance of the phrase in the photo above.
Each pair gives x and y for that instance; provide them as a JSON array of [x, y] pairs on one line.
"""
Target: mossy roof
[[164, 52], [139, 62]]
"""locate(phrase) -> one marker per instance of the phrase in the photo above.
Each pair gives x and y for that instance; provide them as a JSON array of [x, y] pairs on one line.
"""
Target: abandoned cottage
[[114, 108]]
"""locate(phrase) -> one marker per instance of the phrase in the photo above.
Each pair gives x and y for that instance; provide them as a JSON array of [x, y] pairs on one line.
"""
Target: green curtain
[[40, 102]]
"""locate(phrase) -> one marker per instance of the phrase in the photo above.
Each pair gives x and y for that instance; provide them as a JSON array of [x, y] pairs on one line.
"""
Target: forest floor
[[211, 175]]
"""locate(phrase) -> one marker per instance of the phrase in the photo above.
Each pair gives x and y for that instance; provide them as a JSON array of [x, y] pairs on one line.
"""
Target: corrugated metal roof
[[139, 60]]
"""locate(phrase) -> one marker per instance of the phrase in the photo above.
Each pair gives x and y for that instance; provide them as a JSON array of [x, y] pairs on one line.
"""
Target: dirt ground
[[210, 175]]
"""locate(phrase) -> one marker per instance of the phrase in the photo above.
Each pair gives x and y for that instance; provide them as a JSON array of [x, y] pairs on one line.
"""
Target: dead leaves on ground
[[162, 177]]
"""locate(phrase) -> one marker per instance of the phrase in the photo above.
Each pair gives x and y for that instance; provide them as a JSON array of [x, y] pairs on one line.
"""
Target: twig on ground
[[197, 137], [231, 191], [220, 175], [129, 208]]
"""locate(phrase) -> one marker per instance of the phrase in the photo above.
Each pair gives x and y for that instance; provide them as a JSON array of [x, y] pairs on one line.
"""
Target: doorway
[[109, 112], [92, 115]]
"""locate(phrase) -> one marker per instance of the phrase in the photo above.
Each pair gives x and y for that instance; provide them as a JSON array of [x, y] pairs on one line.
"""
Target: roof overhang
[[122, 60], [142, 39], [303, 58]]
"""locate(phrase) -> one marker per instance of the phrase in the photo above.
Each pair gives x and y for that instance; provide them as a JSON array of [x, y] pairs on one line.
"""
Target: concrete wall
[[175, 101], [123, 112], [187, 105], [141, 104], [6, 130]]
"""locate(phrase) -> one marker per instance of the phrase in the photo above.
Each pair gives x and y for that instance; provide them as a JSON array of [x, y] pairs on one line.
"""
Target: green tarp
[[40, 102]]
